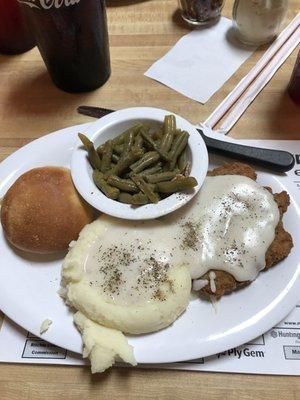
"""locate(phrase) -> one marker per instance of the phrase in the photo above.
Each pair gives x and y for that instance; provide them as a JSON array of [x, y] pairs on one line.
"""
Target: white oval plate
[[109, 127], [29, 283]]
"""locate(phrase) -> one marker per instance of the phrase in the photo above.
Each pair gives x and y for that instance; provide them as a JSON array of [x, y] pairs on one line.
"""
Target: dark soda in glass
[[294, 85], [15, 37], [73, 41]]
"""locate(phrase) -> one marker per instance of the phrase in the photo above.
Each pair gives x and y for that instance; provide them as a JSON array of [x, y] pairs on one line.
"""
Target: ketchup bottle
[[15, 37], [294, 85]]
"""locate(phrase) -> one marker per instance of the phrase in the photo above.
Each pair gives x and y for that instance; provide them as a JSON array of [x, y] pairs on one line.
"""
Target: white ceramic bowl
[[111, 126]]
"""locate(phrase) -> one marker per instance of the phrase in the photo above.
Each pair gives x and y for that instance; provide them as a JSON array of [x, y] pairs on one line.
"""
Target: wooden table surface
[[30, 106]]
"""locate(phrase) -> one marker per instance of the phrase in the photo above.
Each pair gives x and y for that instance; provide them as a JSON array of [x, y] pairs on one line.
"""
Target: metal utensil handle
[[277, 160]]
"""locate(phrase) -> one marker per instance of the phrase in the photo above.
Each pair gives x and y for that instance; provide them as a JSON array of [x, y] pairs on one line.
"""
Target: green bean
[[188, 169], [152, 186], [177, 185], [169, 123], [167, 141], [122, 137], [157, 135], [161, 177], [85, 141], [108, 190], [147, 160], [106, 157], [126, 185], [128, 142], [94, 158], [183, 161], [137, 199], [145, 188], [177, 148], [169, 130], [115, 158], [178, 132], [125, 198], [128, 159], [146, 126], [138, 141], [119, 149], [118, 142], [126, 175], [154, 146], [100, 150], [152, 170], [176, 142], [176, 170]]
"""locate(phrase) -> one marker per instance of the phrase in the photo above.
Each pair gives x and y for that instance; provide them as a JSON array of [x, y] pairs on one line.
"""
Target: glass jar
[[257, 22], [200, 12]]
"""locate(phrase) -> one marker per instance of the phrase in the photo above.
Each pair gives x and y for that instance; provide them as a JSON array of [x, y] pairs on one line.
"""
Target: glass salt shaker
[[201, 12], [258, 22]]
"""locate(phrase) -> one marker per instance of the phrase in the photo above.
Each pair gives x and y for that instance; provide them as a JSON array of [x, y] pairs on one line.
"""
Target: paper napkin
[[201, 61]]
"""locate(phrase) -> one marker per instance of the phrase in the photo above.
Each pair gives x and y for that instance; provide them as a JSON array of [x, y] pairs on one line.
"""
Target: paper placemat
[[275, 352]]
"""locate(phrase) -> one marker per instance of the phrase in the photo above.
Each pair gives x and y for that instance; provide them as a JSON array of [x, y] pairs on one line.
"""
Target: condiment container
[[257, 22], [200, 12], [294, 85]]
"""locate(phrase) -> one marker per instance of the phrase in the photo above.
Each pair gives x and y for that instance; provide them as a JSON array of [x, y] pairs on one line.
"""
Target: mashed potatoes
[[120, 276], [102, 345]]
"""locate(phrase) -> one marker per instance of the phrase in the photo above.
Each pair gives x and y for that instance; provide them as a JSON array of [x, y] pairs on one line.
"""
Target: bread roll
[[42, 211]]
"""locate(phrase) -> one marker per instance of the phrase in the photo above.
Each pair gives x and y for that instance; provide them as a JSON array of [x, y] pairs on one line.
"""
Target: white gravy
[[229, 228], [131, 262]]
